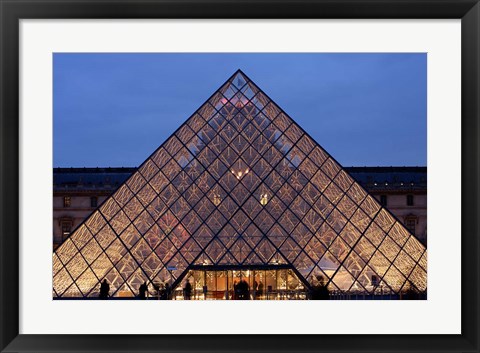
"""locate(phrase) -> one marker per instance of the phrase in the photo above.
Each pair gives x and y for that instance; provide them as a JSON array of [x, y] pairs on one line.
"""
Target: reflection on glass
[[217, 199], [263, 199]]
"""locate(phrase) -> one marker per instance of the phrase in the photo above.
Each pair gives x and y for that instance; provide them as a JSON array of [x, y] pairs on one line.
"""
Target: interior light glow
[[263, 199]]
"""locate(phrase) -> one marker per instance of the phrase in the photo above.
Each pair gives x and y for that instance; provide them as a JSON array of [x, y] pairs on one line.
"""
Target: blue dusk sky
[[114, 110]]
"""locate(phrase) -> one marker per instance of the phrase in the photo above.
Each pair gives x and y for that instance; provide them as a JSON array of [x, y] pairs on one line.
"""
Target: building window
[[383, 200], [409, 200], [66, 225], [67, 201], [410, 223], [93, 201]]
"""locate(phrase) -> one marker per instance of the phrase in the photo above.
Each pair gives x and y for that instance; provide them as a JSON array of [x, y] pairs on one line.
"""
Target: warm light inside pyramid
[[240, 187]]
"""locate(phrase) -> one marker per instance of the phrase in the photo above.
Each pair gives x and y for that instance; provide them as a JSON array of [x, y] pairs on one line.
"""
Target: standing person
[[260, 289], [143, 291], [205, 292], [104, 289], [255, 287], [166, 292], [235, 290], [246, 290], [187, 291]]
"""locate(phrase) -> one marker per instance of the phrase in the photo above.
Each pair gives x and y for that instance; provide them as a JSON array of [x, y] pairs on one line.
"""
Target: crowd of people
[[163, 291], [241, 290]]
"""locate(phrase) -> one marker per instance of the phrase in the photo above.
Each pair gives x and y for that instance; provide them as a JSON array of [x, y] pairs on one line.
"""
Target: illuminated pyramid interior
[[239, 186]]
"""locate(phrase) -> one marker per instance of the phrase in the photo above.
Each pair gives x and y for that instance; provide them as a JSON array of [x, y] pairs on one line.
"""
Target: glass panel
[[57, 264], [404, 263], [109, 208], [184, 134], [350, 234], [148, 169], [190, 250], [370, 206], [414, 248], [315, 249], [160, 157], [290, 249], [347, 206], [329, 264], [419, 278], [154, 236], [72, 292], [81, 236], [76, 266], [384, 220], [105, 236], [394, 279], [87, 281], [360, 220], [364, 248], [252, 235], [101, 266], [375, 234], [313, 220], [91, 251], [61, 281], [95, 222], [336, 220], [299, 207], [130, 236], [339, 249], [119, 222], [158, 182], [216, 221], [379, 263], [326, 234], [389, 248], [333, 193], [399, 234], [115, 251], [182, 181], [136, 182], [277, 235], [143, 222], [203, 235], [343, 279], [152, 265], [356, 193]]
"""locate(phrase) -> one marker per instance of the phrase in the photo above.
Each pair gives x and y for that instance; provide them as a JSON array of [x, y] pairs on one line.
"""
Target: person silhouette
[[104, 289], [187, 291], [166, 292], [235, 290], [260, 289], [244, 290], [143, 291], [254, 289]]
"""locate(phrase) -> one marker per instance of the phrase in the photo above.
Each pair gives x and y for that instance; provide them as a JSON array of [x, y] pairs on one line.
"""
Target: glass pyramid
[[239, 183]]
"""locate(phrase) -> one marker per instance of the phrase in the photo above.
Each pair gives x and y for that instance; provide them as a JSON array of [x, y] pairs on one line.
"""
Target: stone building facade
[[78, 191]]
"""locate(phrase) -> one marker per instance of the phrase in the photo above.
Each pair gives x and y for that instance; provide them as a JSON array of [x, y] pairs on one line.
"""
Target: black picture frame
[[12, 11]]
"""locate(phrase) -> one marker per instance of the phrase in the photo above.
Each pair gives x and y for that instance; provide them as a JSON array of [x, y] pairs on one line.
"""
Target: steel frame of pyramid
[[239, 183]]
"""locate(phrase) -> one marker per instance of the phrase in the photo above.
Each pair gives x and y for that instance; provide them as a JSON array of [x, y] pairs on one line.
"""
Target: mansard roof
[[373, 179]]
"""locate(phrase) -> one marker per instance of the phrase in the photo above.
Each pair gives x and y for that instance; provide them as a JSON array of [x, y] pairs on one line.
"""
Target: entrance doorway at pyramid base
[[241, 283]]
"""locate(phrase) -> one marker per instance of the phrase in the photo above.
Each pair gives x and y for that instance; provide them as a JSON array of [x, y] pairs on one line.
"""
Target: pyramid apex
[[238, 79]]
